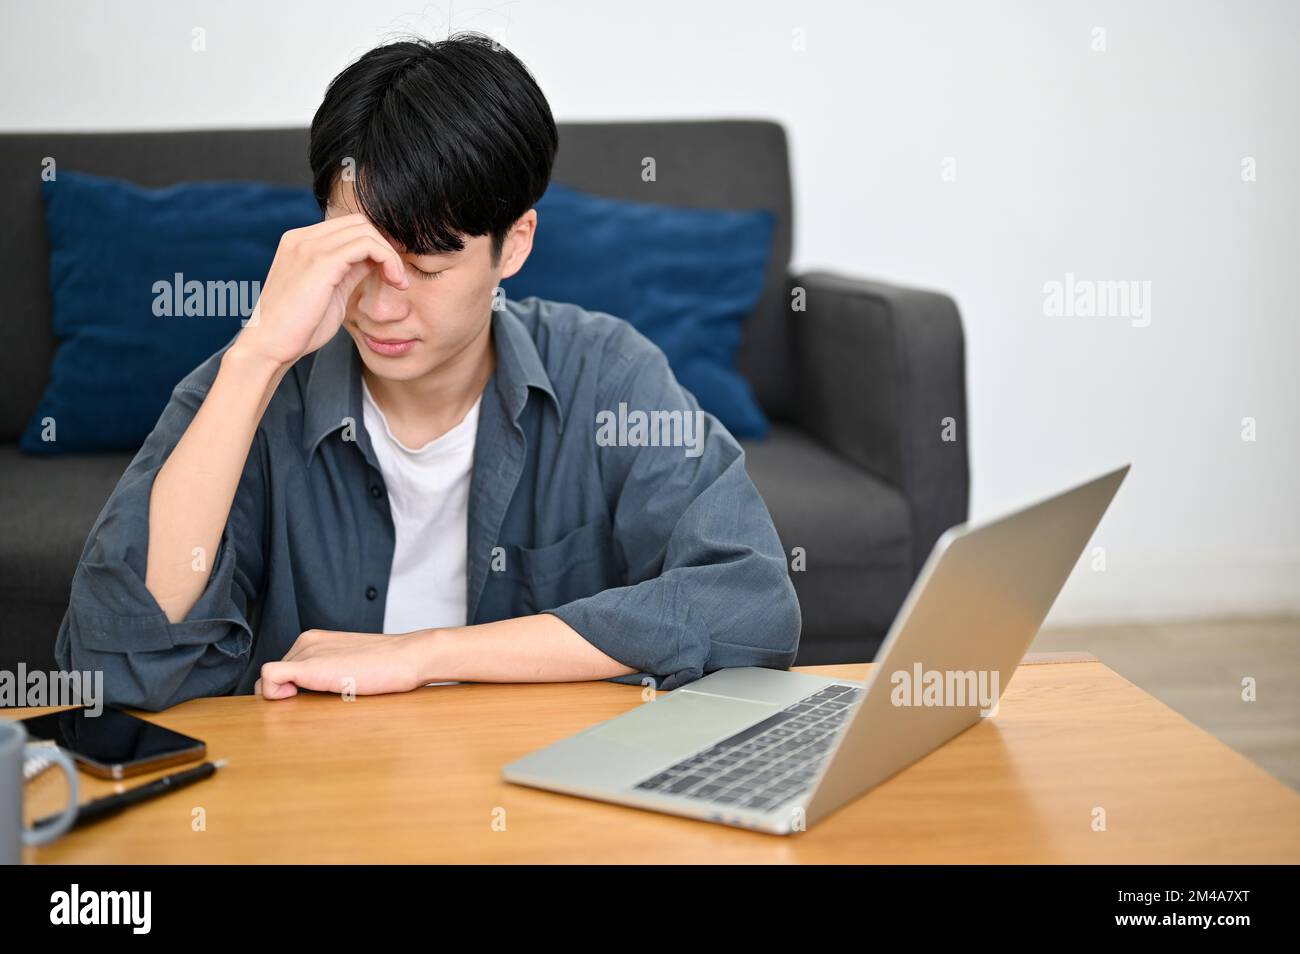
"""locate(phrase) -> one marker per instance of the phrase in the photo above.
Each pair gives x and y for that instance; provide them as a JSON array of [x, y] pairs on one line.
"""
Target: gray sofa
[[855, 472]]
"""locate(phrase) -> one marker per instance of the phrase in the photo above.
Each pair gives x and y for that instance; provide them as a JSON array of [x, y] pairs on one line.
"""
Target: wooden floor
[[1197, 669]]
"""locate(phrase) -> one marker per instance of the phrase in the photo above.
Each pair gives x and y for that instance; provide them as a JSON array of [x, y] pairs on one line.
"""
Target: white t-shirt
[[428, 495]]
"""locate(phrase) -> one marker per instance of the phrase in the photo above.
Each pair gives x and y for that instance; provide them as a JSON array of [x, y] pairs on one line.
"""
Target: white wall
[[1123, 164]]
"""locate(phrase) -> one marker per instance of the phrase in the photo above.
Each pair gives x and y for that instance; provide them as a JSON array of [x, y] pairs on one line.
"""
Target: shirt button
[[375, 491], [371, 593]]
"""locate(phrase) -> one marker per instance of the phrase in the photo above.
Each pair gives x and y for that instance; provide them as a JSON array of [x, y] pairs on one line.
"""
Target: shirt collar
[[333, 393], [519, 366]]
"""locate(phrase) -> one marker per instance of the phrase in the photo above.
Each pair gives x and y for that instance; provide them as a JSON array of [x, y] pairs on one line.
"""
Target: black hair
[[445, 138]]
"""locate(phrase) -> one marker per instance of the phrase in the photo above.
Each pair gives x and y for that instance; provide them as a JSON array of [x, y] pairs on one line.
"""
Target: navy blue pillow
[[685, 278], [129, 269]]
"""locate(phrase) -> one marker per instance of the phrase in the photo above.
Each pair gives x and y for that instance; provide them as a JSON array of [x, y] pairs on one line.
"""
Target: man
[[392, 475]]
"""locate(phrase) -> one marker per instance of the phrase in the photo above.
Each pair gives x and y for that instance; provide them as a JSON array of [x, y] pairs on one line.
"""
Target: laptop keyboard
[[766, 764]]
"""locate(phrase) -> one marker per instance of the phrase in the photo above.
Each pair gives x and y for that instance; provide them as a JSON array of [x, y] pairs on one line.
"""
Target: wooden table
[[417, 778]]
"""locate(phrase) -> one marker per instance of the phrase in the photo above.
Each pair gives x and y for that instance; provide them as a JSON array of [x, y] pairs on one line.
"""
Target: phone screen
[[113, 739]]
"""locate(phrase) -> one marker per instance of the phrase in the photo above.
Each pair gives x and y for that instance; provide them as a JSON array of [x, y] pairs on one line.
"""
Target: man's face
[[402, 335]]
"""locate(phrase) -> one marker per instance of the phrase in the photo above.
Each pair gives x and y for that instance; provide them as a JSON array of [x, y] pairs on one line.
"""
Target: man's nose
[[380, 301]]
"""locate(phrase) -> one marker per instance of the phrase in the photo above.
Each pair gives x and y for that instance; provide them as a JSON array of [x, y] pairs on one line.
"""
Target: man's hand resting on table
[[362, 663], [540, 648]]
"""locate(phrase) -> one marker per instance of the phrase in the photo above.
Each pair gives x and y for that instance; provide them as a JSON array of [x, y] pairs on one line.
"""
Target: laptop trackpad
[[683, 722]]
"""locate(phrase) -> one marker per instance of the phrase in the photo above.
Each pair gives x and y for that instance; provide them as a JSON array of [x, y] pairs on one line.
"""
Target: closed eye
[[423, 275]]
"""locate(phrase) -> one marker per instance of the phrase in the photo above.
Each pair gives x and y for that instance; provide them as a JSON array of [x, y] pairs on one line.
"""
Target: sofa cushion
[[147, 283], [686, 278], [855, 532], [50, 504]]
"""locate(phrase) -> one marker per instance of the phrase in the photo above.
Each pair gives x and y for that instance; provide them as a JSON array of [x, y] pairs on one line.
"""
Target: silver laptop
[[777, 751]]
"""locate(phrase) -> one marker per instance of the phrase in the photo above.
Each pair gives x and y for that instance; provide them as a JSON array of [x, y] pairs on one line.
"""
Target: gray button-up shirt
[[651, 542]]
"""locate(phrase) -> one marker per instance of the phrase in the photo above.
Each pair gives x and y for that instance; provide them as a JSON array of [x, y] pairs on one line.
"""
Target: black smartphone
[[114, 744]]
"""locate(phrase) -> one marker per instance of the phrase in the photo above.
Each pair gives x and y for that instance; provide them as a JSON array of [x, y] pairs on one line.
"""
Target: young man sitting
[[392, 476]]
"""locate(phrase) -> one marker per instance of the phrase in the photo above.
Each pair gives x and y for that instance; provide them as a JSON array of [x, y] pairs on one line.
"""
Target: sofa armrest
[[881, 376]]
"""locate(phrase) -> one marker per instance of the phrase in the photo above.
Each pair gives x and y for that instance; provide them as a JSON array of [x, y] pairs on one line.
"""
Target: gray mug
[[13, 834]]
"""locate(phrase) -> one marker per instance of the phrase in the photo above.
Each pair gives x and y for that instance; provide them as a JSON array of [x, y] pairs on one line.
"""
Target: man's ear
[[518, 244]]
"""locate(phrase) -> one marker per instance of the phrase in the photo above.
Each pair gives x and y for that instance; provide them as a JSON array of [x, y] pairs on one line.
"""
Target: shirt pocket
[[578, 565]]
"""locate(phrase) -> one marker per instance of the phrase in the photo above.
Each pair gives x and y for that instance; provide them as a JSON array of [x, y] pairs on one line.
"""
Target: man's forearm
[[540, 648], [192, 493]]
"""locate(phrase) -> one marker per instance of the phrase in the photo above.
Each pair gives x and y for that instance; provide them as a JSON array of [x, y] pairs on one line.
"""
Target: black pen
[[100, 808]]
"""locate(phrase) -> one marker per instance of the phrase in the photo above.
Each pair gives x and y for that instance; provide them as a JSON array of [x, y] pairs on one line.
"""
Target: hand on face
[[305, 297]]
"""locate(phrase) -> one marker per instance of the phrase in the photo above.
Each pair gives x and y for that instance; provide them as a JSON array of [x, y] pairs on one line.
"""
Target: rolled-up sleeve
[[707, 583], [114, 624]]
